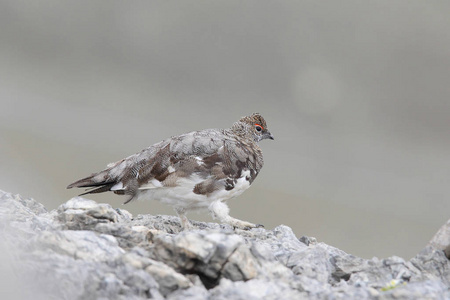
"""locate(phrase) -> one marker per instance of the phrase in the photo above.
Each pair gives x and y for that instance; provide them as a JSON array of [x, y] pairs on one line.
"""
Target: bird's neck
[[242, 131]]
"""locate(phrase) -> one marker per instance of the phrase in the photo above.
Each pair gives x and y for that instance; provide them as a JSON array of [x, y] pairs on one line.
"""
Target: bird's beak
[[268, 135]]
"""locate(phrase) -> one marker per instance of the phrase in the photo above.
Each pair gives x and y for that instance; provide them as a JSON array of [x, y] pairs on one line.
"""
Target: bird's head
[[253, 126]]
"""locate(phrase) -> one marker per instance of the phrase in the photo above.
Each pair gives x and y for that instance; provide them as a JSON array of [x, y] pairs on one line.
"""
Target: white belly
[[182, 194]]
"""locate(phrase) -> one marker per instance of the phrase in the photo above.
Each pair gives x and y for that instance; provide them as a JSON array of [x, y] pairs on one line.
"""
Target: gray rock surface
[[441, 240], [87, 250]]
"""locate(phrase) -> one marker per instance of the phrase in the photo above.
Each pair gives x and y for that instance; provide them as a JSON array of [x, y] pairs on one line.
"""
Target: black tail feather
[[104, 188], [92, 181]]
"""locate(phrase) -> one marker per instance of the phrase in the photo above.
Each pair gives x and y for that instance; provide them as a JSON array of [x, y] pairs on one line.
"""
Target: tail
[[110, 179], [98, 182]]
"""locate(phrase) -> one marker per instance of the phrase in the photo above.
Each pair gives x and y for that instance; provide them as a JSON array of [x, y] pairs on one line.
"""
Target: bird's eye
[[258, 127]]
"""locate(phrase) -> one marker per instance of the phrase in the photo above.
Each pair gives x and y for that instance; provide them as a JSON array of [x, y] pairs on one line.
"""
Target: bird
[[199, 170]]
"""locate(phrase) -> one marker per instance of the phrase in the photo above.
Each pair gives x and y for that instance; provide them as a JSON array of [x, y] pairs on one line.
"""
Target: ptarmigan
[[196, 170]]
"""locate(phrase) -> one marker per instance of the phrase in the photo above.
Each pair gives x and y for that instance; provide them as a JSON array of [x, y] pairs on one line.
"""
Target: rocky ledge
[[88, 250]]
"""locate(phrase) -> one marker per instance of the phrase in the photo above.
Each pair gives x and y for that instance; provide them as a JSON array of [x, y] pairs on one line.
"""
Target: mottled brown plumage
[[196, 170]]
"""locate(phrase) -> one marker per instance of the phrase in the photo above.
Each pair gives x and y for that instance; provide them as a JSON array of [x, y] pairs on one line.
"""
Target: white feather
[[152, 184], [199, 161], [117, 186], [241, 185], [182, 194]]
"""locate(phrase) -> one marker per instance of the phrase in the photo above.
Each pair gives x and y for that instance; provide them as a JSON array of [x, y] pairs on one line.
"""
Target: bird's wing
[[206, 157], [215, 159], [204, 153]]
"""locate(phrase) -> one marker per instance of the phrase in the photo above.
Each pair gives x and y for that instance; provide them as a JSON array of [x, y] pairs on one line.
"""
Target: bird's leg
[[221, 211], [181, 212]]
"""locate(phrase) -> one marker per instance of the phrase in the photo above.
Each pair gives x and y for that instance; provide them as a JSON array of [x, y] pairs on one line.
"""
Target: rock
[[208, 254], [253, 290], [79, 213], [168, 279], [431, 264], [84, 245], [441, 240], [417, 290], [87, 250]]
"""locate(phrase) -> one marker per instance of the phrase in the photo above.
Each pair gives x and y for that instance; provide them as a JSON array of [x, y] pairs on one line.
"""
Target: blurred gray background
[[356, 93]]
